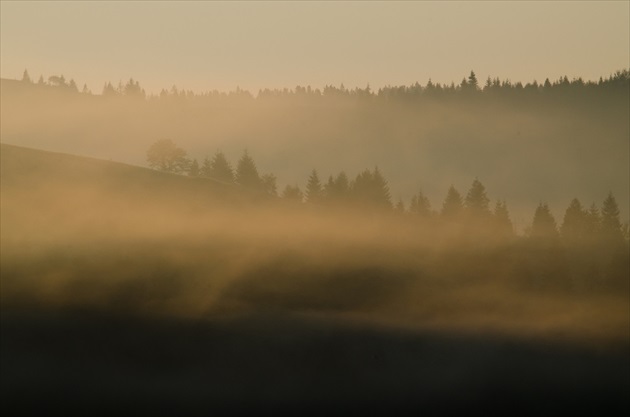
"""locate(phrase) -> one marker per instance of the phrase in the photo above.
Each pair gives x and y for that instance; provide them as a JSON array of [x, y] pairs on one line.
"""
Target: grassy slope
[[114, 360]]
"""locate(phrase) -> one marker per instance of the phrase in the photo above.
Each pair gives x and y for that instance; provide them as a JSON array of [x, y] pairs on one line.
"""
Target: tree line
[[617, 83], [369, 190]]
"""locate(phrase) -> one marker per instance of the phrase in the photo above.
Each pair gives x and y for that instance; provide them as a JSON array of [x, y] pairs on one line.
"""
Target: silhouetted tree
[[247, 173], [371, 188], [544, 224], [477, 202], [574, 224], [420, 205], [205, 169], [26, 78], [165, 156], [57, 81], [269, 184], [452, 206], [193, 169], [337, 189], [503, 224], [220, 169], [293, 192], [314, 190], [41, 80], [610, 224], [109, 90]]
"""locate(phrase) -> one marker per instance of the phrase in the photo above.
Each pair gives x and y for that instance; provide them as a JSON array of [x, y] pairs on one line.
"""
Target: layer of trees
[[469, 87], [587, 249]]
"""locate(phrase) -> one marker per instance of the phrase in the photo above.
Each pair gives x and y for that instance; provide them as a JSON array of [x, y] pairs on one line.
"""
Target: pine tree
[[314, 190], [26, 78], [611, 226], [193, 169], [544, 224], [247, 173], [420, 205], [269, 184], [502, 220], [452, 206], [293, 192], [574, 224], [477, 202], [220, 169]]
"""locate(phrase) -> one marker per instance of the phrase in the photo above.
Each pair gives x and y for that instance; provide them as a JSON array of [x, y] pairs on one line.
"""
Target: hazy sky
[[219, 45]]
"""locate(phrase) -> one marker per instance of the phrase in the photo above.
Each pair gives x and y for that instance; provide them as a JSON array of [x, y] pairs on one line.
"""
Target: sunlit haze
[[221, 45]]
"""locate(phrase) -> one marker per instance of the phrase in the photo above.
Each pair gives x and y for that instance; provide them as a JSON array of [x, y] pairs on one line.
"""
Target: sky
[[203, 46]]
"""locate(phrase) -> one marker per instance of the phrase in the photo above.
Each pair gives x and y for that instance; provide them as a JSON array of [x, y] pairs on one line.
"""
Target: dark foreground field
[[77, 362]]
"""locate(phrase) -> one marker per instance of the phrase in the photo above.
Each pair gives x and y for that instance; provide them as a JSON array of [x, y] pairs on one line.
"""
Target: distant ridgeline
[[617, 84]]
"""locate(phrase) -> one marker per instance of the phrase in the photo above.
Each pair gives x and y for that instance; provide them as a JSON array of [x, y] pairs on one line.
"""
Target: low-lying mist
[[87, 234]]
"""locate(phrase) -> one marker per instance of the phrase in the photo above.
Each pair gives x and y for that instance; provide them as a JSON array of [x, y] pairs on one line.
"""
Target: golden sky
[[221, 45]]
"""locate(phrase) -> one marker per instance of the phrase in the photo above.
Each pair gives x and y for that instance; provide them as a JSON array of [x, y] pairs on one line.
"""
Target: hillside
[[552, 146], [148, 292]]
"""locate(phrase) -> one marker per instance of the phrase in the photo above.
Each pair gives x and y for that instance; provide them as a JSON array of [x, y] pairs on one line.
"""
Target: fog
[[526, 147], [134, 279], [85, 233]]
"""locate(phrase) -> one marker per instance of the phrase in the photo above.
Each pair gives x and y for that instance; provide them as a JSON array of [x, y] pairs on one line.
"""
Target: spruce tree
[[611, 226], [220, 169], [544, 224], [452, 206], [314, 190], [293, 192], [193, 169], [247, 173], [502, 220], [477, 202], [574, 224]]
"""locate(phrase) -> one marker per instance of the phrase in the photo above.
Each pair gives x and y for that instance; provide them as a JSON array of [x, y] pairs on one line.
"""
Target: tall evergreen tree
[[26, 78], [314, 190], [452, 206], [220, 169], [247, 173], [477, 202], [370, 188], [502, 220], [293, 192], [420, 205], [544, 224], [269, 184], [593, 222], [574, 224], [337, 189], [193, 169], [611, 226]]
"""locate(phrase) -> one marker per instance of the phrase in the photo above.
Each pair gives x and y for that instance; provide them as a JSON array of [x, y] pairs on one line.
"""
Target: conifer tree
[[247, 173], [293, 192], [544, 224], [220, 169], [314, 190], [477, 202], [610, 224], [574, 223], [452, 206], [193, 169], [420, 205], [502, 220], [269, 184]]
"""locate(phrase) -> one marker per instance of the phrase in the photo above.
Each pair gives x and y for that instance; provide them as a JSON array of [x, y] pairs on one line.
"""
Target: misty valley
[[353, 257]]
